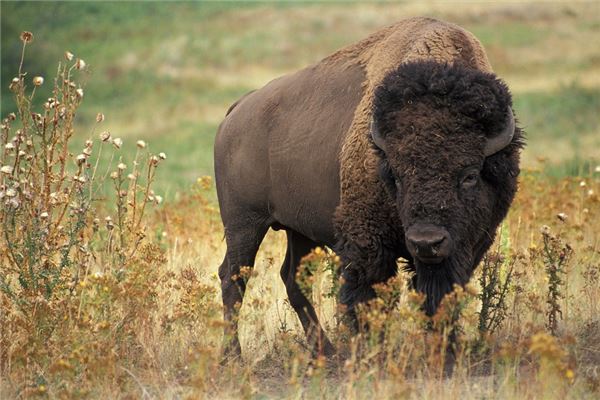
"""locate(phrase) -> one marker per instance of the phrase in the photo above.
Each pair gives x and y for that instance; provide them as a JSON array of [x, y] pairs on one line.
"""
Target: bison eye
[[469, 179]]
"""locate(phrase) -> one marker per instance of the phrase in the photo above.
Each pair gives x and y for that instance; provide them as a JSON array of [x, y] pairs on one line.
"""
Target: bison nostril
[[428, 248], [428, 242]]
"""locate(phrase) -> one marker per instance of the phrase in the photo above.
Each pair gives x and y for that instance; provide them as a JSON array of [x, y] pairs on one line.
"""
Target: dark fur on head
[[481, 99], [435, 119]]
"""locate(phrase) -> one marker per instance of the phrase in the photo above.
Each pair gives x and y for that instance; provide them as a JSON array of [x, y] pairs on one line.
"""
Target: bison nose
[[428, 243]]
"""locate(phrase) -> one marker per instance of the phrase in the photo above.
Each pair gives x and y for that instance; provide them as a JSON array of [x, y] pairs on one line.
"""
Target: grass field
[[167, 72], [116, 308]]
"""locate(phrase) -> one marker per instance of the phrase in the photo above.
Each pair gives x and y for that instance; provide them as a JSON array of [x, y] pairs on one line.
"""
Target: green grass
[[574, 167], [167, 72], [561, 126], [188, 157], [508, 34], [124, 43], [550, 115]]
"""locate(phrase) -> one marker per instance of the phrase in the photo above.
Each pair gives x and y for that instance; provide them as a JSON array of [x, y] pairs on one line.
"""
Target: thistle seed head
[[105, 136], [80, 64], [26, 37]]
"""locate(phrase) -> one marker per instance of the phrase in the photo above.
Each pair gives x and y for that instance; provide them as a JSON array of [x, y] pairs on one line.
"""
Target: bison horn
[[502, 139], [376, 135]]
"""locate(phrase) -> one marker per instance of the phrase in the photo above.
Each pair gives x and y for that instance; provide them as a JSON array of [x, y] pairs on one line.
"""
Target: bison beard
[[439, 280]]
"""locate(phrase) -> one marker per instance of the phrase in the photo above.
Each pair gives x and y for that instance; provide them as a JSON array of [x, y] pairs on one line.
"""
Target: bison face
[[447, 161]]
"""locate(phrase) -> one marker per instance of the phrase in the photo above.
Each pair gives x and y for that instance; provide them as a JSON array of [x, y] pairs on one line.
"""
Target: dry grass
[[520, 359]]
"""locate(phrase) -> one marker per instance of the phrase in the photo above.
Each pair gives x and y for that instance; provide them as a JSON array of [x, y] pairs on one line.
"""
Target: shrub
[[76, 289]]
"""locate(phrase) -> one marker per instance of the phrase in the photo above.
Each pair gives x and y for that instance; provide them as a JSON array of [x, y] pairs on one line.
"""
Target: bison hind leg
[[243, 240], [299, 246]]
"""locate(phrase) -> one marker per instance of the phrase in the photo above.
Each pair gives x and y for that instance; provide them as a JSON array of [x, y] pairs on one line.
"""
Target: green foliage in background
[[166, 72]]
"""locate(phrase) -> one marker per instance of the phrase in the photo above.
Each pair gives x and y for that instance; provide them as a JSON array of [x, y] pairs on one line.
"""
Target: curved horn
[[503, 139], [376, 135]]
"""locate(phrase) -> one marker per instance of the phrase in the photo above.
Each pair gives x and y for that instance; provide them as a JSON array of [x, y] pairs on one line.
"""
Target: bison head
[[449, 153]]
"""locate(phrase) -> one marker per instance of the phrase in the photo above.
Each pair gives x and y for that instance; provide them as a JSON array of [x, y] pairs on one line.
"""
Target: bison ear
[[376, 135], [503, 138]]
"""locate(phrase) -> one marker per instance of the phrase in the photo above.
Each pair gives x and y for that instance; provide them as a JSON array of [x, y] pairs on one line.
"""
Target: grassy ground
[[166, 73], [128, 321]]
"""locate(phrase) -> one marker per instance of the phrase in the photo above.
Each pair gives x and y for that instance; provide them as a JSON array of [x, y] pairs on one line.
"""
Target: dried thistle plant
[[495, 281], [556, 255], [52, 240]]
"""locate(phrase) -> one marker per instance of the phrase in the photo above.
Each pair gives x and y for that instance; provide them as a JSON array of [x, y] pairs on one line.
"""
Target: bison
[[401, 145]]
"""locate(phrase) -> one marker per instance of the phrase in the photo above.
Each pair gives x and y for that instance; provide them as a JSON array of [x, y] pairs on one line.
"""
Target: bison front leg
[[367, 243], [352, 293], [361, 269]]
